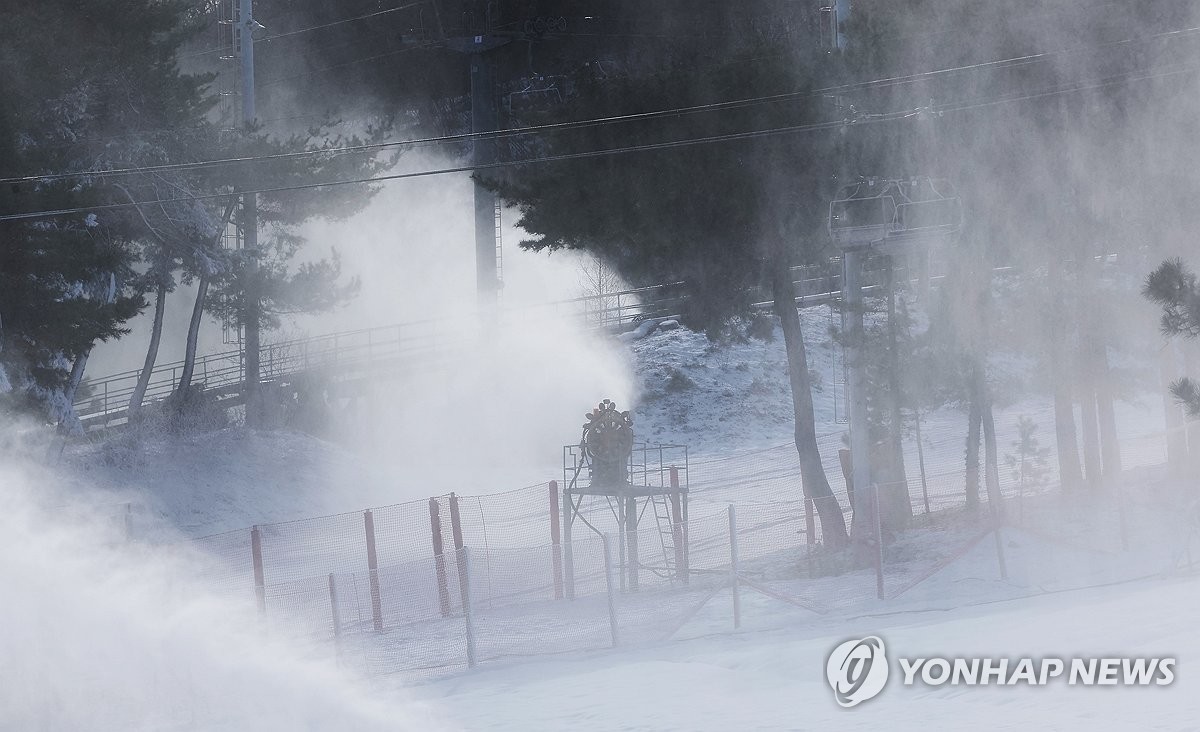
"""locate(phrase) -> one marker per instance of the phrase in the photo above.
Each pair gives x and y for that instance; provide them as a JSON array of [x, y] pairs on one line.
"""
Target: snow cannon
[[611, 480]]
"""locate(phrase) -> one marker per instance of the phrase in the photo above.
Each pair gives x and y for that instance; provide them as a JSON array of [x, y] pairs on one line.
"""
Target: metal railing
[[339, 354], [343, 354]]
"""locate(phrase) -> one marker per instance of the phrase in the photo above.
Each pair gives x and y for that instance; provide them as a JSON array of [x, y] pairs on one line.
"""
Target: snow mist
[[99, 634], [503, 388]]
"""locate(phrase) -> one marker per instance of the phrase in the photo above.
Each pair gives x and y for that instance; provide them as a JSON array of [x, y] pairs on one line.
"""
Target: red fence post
[[373, 570], [260, 589], [677, 535], [556, 541], [439, 558]]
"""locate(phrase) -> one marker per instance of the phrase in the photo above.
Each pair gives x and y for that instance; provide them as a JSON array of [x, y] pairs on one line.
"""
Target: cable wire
[[1013, 62], [286, 34], [666, 145]]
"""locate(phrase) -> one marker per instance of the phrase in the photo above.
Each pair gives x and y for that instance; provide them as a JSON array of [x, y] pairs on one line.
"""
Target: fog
[[106, 635], [513, 389], [413, 249]]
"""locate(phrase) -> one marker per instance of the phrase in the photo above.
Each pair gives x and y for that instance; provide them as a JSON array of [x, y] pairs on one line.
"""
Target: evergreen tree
[[94, 91], [81, 88], [1173, 286], [723, 217]]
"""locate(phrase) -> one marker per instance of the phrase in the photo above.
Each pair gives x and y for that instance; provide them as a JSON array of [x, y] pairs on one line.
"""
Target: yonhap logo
[[857, 670]]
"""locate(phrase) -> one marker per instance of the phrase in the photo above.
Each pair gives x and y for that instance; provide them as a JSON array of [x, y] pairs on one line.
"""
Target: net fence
[[433, 586]]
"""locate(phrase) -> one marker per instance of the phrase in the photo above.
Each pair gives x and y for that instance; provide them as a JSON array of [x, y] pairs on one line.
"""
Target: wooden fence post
[[556, 541], [631, 542], [455, 523], [439, 557], [568, 555], [373, 571], [260, 589], [128, 522], [464, 583], [678, 538]]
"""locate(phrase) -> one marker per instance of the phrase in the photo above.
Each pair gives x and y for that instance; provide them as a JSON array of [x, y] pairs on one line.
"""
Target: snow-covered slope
[[215, 481], [731, 395], [775, 680], [716, 398]]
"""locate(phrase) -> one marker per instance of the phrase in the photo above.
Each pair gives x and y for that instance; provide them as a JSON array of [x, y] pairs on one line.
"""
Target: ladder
[[228, 52], [662, 518]]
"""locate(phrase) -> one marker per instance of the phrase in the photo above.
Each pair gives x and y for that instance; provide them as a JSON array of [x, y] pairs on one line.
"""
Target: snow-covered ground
[[775, 679], [717, 398], [210, 482]]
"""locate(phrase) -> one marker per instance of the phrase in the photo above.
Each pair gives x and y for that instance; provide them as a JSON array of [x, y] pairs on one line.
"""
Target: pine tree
[[1173, 286], [95, 88], [722, 217], [84, 86]]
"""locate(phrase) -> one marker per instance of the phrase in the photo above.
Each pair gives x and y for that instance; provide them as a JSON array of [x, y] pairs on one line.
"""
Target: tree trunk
[[1091, 439], [1191, 357], [812, 472], [139, 389], [1097, 378], [1110, 444], [1064, 413], [1065, 439], [991, 459], [897, 502], [1177, 447], [66, 419], [974, 418], [991, 471], [193, 335]]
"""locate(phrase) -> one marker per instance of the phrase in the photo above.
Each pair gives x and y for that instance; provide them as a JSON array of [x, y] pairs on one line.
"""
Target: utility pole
[[865, 500], [853, 257], [475, 43], [252, 306], [483, 153]]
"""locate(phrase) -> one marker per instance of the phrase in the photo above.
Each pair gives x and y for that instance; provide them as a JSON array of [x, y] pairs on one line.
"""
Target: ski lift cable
[[666, 145], [298, 31], [498, 134], [377, 13], [576, 124]]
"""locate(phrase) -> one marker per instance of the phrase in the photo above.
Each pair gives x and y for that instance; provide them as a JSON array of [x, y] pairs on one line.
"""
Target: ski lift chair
[[891, 215]]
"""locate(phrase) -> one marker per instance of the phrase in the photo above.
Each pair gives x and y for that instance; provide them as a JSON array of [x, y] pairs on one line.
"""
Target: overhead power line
[[309, 29], [331, 24], [1008, 63], [670, 144]]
